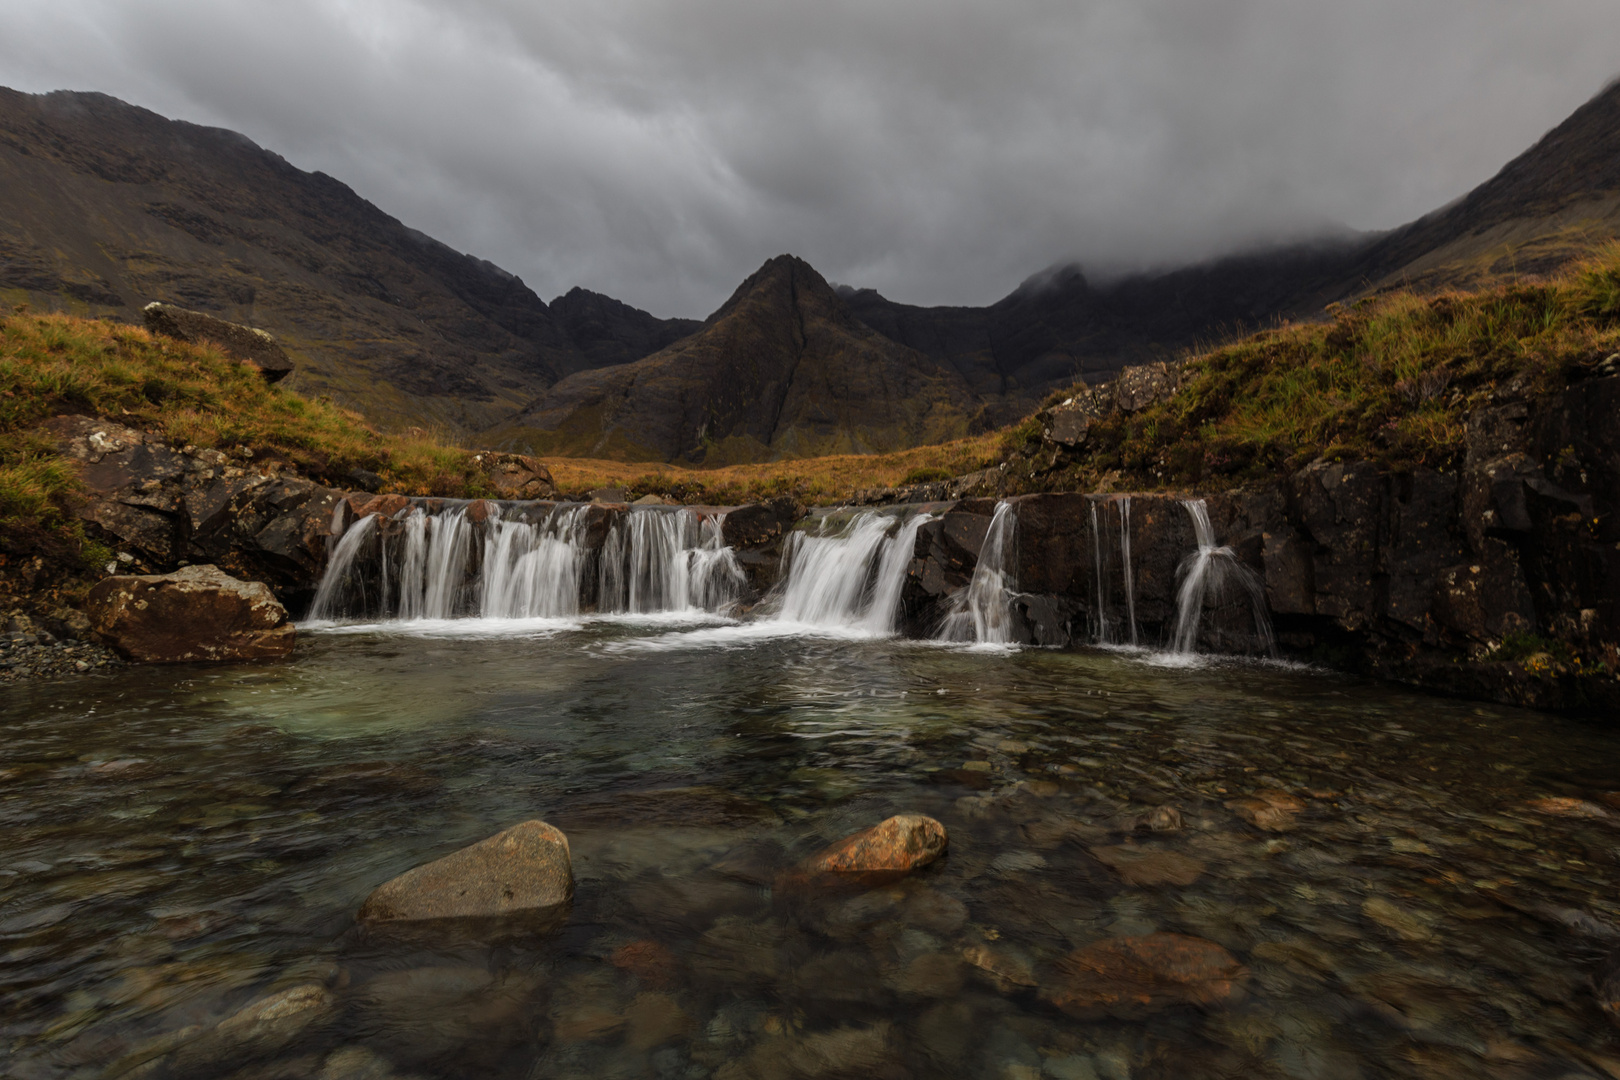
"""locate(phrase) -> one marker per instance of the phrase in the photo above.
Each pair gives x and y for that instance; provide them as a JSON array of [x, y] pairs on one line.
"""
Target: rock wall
[[1491, 580]]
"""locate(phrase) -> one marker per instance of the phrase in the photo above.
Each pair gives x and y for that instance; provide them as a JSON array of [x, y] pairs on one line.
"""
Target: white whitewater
[[329, 595], [668, 560], [850, 580], [531, 570], [1208, 577], [982, 612], [443, 566], [1106, 630]]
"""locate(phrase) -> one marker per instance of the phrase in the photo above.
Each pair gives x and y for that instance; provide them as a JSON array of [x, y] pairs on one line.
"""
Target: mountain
[[1554, 203], [1550, 205], [105, 207], [782, 369]]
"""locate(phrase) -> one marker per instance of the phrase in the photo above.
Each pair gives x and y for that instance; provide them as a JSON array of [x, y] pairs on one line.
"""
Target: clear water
[[180, 841]]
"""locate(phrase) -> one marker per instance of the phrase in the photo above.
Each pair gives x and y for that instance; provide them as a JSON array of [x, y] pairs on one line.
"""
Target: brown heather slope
[[782, 370], [105, 206]]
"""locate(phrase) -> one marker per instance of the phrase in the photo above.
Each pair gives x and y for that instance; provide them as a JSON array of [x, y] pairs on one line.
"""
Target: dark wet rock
[[1128, 977], [198, 613], [244, 343], [1269, 809], [1149, 866], [653, 964], [523, 871]]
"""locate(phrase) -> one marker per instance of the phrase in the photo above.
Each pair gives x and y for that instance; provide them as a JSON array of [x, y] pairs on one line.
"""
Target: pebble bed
[[41, 655]]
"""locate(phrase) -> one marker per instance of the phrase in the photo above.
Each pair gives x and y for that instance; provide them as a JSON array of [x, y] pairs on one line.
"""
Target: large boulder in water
[[524, 872], [197, 613]]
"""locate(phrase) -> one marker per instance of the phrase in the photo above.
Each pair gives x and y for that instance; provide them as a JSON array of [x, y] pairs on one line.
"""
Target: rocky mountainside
[[781, 370], [105, 207]]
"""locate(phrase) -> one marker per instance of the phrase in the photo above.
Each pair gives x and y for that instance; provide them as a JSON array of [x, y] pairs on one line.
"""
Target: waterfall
[[851, 579], [982, 612], [668, 560], [527, 561], [1208, 577], [532, 571], [329, 595], [1104, 629]]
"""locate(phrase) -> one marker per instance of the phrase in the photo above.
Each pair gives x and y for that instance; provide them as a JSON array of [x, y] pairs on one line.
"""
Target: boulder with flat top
[[196, 613]]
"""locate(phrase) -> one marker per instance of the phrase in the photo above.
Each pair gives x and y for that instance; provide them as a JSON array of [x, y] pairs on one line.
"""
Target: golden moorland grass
[[1388, 379]]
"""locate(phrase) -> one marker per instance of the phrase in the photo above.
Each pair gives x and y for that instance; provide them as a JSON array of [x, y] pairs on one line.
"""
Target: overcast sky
[[938, 150]]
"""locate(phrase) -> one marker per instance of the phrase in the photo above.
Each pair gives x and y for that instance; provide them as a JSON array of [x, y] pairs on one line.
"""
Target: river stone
[[260, 1028], [522, 871], [1149, 866], [1128, 977], [1270, 809], [196, 613], [899, 844]]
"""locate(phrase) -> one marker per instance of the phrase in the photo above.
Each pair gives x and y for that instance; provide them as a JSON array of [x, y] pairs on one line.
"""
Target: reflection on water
[[1431, 898]]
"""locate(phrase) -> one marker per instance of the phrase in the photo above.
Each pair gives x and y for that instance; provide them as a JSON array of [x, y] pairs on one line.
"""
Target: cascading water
[[982, 612], [513, 565], [668, 560], [850, 580], [1107, 630], [1209, 578]]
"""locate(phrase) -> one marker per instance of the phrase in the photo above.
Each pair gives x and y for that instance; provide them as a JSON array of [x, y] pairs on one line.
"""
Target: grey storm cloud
[[938, 150]]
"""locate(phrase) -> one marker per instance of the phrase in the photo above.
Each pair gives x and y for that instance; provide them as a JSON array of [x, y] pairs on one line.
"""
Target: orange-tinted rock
[[1563, 806], [196, 613], [523, 871], [1270, 809], [478, 511], [1131, 976], [1149, 866], [651, 963], [362, 503], [900, 844]]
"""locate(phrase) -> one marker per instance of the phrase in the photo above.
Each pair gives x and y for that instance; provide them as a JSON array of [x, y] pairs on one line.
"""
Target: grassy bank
[[1388, 379], [186, 394], [195, 395]]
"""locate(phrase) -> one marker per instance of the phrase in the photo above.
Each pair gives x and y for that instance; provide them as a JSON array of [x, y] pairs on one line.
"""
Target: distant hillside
[[781, 370], [105, 206]]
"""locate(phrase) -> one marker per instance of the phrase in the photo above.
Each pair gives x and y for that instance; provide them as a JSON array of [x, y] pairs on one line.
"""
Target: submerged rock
[[1128, 977], [525, 870], [1270, 809], [1149, 866], [197, 613]]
